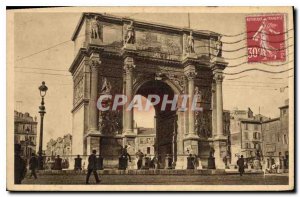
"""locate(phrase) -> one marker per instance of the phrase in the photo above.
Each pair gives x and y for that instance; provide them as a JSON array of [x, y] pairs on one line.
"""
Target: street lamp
[[26, 141], [43, 90]]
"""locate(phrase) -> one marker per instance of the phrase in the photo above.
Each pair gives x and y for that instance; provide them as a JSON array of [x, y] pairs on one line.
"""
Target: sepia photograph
[[150, 99]]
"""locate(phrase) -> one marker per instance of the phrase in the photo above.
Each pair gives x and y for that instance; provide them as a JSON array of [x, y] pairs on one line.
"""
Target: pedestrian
[[78, 161], [33, 165], [190, 162], [20, 165], [92, 167], [241, 163], [58, 163], [139, 156], [123, 159]]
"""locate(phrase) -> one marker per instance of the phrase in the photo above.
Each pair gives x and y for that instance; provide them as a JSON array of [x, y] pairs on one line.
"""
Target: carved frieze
[[159, 45], [78, 87], [178, 80]]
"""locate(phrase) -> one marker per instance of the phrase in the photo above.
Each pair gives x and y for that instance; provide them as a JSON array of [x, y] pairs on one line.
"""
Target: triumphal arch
[[117, 55]]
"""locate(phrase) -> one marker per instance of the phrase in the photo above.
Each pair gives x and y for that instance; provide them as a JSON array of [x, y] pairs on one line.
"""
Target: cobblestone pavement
[[247, 179]]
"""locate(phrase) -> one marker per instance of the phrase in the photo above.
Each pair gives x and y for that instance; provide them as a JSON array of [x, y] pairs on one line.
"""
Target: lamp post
[[43, 90], [26, 142]]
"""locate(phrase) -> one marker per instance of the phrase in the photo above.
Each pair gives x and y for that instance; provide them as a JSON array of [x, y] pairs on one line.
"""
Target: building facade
[[276, 140], [62, 146], [25, 133], [246, 135], [117, 55], [145, 141]]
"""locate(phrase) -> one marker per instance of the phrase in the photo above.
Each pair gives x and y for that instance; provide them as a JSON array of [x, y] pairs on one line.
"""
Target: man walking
[[92, 167], [20, 165], [139, 156], [33, 162], [241, 163]]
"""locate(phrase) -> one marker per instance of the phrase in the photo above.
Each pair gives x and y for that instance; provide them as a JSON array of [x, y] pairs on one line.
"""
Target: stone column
[[214, 109], [93, 111], [128, 68], [219, 104], [220, 141], [191, 74]]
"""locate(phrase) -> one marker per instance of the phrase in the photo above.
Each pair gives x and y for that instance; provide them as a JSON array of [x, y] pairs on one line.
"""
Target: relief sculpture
[[203, 124], [110, 122]]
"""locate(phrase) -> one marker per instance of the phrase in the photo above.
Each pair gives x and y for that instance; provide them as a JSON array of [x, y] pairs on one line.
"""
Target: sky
[[34, 32]]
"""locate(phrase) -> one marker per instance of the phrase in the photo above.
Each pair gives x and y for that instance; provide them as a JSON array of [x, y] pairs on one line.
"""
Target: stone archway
[[158, 52], [166, 126]]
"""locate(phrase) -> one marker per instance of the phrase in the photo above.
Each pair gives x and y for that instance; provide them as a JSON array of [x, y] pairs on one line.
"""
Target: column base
[[129, 133], [181, 162], [220, 147], [93, 130], [191, 136]]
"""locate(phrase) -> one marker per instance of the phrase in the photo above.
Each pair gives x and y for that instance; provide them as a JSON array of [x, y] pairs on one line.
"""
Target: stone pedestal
[[181, 162], [220, 145], [93, 143]]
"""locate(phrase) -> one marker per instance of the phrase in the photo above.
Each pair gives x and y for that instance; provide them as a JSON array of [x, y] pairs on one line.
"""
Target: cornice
[[142, 24]]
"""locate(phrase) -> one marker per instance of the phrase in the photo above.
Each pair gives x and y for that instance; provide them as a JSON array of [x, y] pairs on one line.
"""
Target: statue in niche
[[190, 43], [218, 48], [95, 28], [106, 87], [130, 34], [199, 94]]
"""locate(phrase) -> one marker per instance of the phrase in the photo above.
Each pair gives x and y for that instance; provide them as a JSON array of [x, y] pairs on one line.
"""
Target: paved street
[[248, 179]]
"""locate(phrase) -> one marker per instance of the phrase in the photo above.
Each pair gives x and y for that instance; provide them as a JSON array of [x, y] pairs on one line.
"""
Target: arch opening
[[165, 120]]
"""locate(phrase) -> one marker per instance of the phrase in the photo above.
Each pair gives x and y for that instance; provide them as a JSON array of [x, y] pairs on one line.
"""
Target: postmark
[[266, 38]]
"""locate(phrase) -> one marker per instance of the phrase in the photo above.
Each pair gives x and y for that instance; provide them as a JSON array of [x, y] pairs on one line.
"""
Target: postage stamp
[[266, 38]]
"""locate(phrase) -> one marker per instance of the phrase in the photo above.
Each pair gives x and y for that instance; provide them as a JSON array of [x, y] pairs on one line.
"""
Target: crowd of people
[[144, 161]]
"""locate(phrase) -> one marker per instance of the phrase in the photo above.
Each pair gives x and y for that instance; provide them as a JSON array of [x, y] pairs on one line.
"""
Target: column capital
[[94, 61], [191, 75], [190, 72], [128, 64], [218, 77], [218, 64]]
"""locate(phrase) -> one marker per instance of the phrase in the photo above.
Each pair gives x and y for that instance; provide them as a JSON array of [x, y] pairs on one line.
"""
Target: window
[[255, 127], [246, 136], [148, 150], [247, 145], [278, 137], [256, 135]]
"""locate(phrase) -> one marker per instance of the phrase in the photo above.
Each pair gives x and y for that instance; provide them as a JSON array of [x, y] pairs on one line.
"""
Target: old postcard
[[150, 99]]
